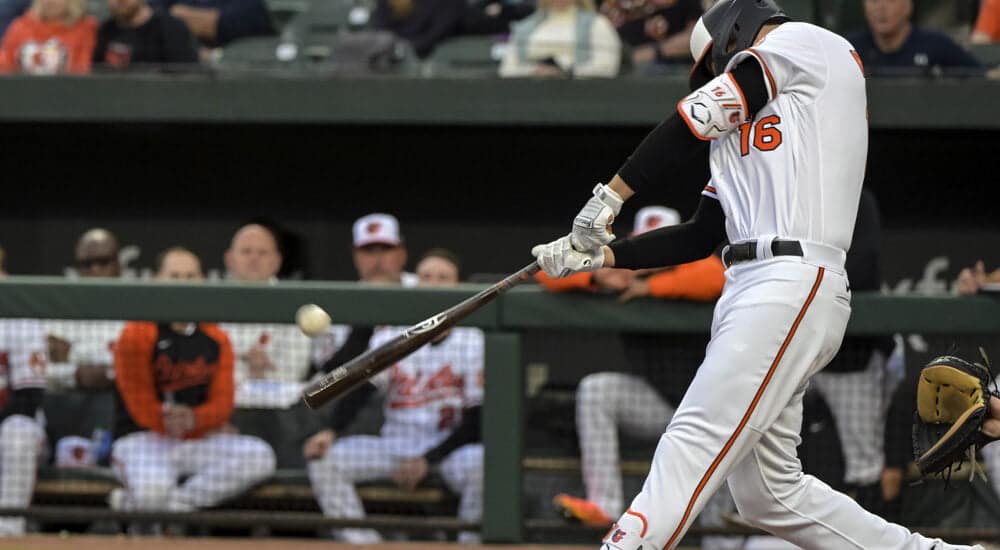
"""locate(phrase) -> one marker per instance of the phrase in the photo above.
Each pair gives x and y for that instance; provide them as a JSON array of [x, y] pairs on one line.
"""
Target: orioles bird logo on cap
[[373, 227]]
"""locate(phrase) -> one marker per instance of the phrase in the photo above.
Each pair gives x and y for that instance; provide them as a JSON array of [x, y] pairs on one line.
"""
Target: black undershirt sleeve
[[671, 148], [347, 407], [24, 402], [467, 431], [355, 344], [677, 244]]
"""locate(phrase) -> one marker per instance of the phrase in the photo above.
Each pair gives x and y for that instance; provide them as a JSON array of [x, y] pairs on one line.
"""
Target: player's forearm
[[698, 281], [468, 431], [215, 411], [24, 402], [347, 408], [674, 245]]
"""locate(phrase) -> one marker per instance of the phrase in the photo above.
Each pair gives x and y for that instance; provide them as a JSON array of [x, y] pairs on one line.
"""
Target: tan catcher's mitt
[[952, 402]]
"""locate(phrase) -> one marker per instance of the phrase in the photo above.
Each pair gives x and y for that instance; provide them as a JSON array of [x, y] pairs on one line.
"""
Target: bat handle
[[521, 275]]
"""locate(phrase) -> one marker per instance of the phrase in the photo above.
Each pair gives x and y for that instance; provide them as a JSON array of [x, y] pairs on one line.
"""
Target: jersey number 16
[[766, 135]]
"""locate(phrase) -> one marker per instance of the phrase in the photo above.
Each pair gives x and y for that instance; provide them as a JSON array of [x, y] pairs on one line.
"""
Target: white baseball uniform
[[425, 394], [22, 366], [793, 172], [286, 346], [158, 366], [91, 343]]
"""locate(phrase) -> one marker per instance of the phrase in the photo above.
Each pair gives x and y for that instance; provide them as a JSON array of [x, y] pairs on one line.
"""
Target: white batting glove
[[559, 258], [592, 226]]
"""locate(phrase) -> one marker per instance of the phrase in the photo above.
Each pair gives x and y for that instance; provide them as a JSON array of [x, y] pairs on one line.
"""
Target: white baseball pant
[[858, 401], [360, 458], [220, 466], [779, 321], [20, 444]]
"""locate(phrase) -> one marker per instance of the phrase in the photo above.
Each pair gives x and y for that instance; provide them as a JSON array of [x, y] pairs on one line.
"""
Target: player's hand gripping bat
[[356, 371]]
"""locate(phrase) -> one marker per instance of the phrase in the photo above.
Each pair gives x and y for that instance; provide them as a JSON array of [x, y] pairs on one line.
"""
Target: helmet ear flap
[[700, 72]]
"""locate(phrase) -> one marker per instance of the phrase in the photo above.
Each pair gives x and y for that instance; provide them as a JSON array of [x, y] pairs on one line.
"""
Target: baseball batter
[[782, 108], [22, 386]]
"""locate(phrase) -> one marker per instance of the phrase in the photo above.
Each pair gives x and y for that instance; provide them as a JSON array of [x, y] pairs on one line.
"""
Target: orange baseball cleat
[[582, 510]]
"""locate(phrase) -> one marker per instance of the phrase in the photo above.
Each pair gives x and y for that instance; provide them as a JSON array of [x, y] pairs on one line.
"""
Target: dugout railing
[[504, 321]]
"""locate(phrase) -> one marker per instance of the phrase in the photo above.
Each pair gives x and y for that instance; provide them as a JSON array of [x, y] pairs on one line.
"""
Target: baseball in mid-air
[[312, 320]]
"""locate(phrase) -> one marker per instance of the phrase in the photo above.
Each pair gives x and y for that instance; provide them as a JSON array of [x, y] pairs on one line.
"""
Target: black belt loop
[[747, 251]]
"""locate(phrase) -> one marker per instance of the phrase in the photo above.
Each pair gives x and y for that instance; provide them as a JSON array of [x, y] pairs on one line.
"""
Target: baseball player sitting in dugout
[[432, 414], [175, 397]]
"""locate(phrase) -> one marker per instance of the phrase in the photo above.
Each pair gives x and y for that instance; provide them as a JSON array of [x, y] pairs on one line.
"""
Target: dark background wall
[[487, 192]]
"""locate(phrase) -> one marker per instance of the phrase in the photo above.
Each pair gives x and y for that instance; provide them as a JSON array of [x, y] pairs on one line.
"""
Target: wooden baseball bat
[[356, 371]]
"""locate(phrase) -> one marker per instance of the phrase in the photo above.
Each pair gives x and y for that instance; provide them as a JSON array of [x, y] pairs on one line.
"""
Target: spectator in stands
[[635, 401], [271, 351], [972, 279], [175, 397], [80, 351], [424, 23], [52, 37], [11, 10], [493, 16], [987, 29], [136, 35], [432, 415], [563, 38], [893, 45], [216, 23], [22, 362], [658, 32], [379, 257]]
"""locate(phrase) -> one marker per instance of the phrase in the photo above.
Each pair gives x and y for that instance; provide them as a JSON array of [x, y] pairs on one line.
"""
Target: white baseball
[[312, 320]]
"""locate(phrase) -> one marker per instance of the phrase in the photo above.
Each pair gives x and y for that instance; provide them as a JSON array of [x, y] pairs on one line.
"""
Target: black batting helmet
[[728, 27]]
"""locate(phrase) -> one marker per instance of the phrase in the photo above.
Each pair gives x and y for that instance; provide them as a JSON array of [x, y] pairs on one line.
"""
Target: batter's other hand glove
[[592, 226], [953, 400], [559, 258]]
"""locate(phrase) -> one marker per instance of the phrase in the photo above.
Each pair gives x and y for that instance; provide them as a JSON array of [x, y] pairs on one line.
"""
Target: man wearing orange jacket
[[638, 402], [175, 396]]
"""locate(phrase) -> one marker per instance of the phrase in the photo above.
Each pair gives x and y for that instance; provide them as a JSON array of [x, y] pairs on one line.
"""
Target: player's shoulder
[[215, 332], [469, 335], [383, 334], [798, 38], [139, 334]]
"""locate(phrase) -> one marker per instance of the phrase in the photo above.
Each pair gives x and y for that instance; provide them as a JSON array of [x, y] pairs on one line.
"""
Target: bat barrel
[[355, 372]]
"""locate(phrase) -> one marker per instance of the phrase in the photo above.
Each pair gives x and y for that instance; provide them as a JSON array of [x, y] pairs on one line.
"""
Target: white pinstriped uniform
[[424, 397], [792, 172], [22, 362]]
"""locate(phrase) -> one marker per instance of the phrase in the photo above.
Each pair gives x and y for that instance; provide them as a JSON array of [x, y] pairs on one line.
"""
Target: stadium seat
[[841, 16], [800, 10], [253, 52], [467, 55], [98, 8], [284, 11], [335, 15], [987, 54]]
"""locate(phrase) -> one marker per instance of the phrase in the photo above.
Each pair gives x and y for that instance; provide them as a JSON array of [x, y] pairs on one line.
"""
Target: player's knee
[[328, 467], [19, 432], [151, 494], [258, 459], [472, 465], [765, 495], [594, 388]]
